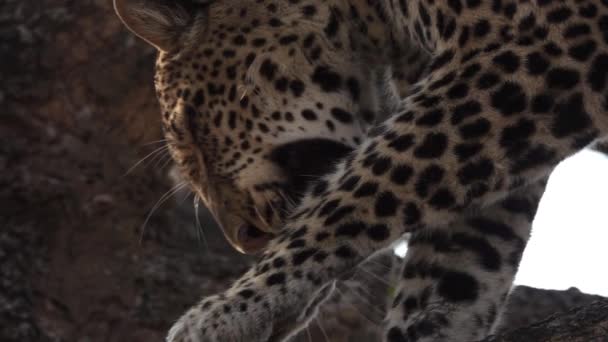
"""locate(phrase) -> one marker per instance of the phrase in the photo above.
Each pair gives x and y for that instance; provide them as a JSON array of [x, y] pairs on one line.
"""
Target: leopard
[[283, 117]]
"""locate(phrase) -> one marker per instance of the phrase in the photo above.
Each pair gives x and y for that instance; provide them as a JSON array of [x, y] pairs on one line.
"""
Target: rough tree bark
[[582, 324], [78, 111]]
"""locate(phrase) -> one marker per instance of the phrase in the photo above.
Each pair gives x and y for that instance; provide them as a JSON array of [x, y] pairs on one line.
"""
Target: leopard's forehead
[[259, 74]]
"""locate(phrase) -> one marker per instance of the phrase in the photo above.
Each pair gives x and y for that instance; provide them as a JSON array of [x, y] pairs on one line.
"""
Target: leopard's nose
[[251, 239]]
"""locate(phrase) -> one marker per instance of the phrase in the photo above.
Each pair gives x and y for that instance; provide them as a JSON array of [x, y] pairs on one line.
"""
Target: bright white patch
[[401, 249], [569, 244]]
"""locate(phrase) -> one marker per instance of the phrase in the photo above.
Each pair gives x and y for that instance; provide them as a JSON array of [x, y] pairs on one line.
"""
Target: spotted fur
[[460, 162]]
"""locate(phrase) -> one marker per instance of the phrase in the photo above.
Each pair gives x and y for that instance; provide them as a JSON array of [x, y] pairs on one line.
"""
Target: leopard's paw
[[248, 315], [223, 318]]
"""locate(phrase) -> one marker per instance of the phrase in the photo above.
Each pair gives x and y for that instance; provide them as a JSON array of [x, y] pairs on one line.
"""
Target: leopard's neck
[[388, 28]]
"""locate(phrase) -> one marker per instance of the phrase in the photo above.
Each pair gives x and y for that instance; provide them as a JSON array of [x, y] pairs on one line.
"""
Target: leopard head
[[258, 99]]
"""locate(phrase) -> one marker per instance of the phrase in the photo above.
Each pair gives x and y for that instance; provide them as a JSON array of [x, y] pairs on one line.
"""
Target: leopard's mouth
[[251, 239], [302, 162]]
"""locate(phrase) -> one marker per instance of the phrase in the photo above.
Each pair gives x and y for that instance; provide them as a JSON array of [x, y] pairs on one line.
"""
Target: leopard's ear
[[161, 23]]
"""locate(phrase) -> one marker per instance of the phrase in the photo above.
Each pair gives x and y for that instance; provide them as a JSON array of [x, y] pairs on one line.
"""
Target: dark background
[[77, 111]]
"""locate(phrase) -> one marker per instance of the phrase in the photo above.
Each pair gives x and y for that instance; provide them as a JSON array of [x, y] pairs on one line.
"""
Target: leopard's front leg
[[454, 284], [257, 308]]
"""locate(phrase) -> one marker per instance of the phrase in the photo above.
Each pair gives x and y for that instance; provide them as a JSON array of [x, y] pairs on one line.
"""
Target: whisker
[[308, 333], [167, 161], [188, 193], [367, 301], [356, 308], [160, 156], [162, 200], [383, 281], [341, 276], [377, 263], [200, 232], [317, 177], [269, 203], [290, 202], [325, 337], [155, 142], [274, 209], [156, 152], [257, 212]]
